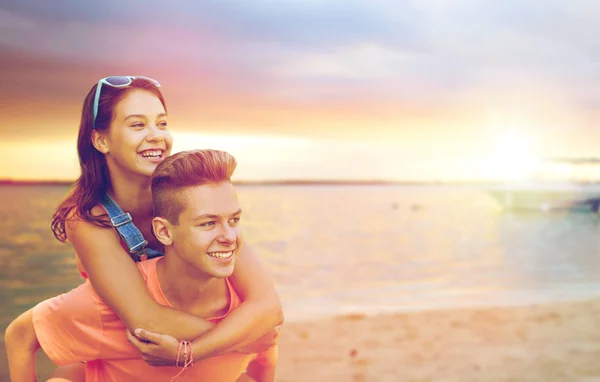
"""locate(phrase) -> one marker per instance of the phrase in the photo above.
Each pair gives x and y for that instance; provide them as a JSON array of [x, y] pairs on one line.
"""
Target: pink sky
[[313, 89]]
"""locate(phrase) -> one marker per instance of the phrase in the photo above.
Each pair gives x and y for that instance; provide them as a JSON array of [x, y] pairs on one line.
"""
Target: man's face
[[207, 236]]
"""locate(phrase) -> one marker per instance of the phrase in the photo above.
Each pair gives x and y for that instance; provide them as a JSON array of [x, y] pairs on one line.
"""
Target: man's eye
[[162, 124], [207, 224]]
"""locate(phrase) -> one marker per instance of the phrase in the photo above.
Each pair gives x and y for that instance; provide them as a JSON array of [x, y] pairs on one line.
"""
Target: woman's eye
[[235, 221], [138, 125], [162, 124]]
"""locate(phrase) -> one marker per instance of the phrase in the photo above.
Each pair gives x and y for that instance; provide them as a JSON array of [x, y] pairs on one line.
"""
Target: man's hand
[[157, 349], [262, 344]]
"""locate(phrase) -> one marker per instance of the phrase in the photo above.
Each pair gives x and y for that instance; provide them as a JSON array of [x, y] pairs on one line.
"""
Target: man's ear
[[162, 231], [99, 142]]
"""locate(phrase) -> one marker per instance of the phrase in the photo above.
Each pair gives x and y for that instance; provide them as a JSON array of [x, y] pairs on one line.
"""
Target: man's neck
[[196, 293]]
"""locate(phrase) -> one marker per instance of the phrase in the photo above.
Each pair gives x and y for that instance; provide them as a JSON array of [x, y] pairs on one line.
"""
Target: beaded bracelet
[[178, 354], [186, 354]]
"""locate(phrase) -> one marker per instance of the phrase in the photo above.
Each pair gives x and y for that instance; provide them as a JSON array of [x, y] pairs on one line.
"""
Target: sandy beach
[[553, 342], [542, 343]]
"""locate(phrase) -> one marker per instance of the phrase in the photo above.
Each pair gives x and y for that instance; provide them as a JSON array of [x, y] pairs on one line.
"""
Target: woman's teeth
[[221, 255], [152, 154]]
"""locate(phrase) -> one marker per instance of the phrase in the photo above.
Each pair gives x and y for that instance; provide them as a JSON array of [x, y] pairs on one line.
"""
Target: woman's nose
[[154, 133]]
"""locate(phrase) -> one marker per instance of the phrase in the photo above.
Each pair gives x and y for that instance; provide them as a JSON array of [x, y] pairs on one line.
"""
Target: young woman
[[123, 136]]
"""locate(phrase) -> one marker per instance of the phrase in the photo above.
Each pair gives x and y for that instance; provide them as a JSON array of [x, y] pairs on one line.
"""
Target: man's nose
[[228, 233]]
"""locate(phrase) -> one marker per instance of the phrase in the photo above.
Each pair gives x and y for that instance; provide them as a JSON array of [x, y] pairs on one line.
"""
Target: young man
[[197, 219]]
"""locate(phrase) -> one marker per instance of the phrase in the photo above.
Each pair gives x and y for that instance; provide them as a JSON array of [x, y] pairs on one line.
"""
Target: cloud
[[336, 69], [431, 53]]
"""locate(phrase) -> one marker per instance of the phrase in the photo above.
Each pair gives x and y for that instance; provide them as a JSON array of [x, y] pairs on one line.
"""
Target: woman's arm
[[242, 330], [259, 313], [119, 283]]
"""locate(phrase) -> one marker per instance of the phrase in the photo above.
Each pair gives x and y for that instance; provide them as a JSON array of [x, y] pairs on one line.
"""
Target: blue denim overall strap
[[130, 234]]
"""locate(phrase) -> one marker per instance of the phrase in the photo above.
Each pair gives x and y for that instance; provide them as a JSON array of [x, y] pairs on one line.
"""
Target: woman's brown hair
[[94, 180]]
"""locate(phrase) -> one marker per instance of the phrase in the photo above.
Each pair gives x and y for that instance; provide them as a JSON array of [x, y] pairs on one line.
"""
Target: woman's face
[[138, 138]]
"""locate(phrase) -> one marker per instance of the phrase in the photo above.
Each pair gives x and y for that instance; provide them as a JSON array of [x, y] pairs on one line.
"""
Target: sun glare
[[513, 157], [259, 157]]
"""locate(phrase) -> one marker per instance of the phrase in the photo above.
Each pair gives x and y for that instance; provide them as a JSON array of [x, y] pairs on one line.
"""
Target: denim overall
[[131, 235]]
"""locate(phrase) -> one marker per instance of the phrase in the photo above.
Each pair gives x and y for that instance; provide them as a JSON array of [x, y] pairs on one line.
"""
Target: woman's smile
[[153, 155]]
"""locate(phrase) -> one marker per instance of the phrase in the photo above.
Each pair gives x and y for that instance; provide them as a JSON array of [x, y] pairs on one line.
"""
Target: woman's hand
[[157, 349]]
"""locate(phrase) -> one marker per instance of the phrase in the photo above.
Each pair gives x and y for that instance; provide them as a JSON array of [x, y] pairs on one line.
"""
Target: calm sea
[[338, 249]]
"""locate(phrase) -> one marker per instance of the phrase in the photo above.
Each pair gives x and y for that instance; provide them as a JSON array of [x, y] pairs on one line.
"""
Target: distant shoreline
[[307, 182], [11, 182]]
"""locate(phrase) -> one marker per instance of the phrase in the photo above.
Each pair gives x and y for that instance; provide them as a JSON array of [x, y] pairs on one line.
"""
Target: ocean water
[[344, 248]]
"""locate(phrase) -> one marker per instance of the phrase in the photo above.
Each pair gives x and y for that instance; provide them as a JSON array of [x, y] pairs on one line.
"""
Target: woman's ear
[[99, 142], [161, 228]]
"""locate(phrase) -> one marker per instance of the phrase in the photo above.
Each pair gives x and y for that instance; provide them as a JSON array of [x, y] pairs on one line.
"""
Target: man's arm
[[21, 344], [262, 368], [77, 326], [261, 373]]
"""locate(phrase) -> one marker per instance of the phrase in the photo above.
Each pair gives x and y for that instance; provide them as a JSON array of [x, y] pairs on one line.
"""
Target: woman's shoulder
[[76, 222]]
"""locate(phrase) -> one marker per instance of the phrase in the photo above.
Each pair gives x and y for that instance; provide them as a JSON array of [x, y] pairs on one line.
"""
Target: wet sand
[[551, 342]]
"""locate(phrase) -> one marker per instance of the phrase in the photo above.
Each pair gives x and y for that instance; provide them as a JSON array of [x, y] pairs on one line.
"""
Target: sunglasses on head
[[116, 82]]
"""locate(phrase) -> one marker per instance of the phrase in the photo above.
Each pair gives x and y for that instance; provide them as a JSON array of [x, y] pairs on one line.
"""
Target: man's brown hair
[[187, 169]]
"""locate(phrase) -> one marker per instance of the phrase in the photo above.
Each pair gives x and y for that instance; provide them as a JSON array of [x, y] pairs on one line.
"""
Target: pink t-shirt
[[78, 326]]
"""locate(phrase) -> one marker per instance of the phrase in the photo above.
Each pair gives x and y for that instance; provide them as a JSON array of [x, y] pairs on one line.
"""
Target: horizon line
[[56, 182]]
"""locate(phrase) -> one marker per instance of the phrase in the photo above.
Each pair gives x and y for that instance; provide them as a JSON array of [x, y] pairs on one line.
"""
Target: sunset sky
[[308, 89]]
